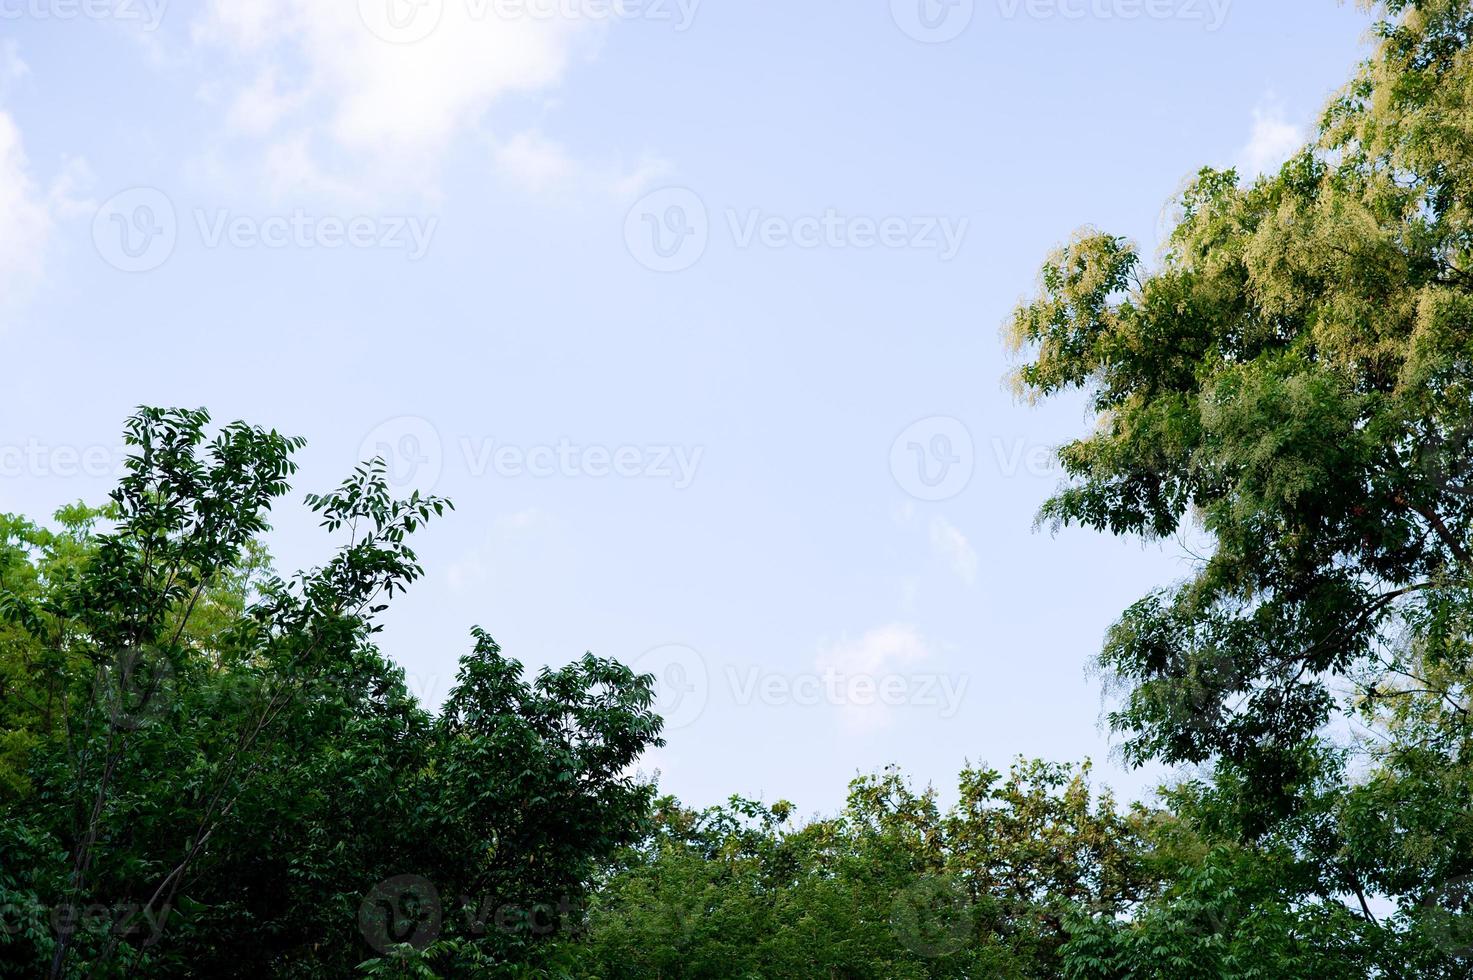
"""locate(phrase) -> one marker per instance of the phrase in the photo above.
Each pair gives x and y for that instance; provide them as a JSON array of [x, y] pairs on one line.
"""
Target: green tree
[[209, 770], [892, 887], [1295, 376]]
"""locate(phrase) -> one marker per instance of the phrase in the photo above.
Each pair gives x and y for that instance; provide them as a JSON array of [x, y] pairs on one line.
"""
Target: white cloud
[[316, 86], [523, 520], [261, 105], [883, 652], [1273, 141], [470, 572], [25, 220], [473, 569], [541, 166], [28, 212], [950, 544], [11, 65], [29, 209], [535, 162], [69, 194], [910, 591]]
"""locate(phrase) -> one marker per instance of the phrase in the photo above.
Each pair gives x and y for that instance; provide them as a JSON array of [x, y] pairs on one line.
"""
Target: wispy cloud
[[1274, 139], [29, 210], [473, 569], [315, 83], [881, 652], [541, 165], [951, 545]]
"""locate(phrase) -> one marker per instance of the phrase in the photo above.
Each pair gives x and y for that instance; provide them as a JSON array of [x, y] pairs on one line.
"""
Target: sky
[[693, 307]]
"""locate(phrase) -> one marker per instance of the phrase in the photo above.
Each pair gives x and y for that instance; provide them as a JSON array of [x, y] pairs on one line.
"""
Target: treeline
[[210, 770]]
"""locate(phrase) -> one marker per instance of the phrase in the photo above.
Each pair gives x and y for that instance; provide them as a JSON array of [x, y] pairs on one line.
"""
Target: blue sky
[[693, 308]]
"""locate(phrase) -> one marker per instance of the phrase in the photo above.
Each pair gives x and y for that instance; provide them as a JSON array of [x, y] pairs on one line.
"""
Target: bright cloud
[[473, 569], [543, 166], [327, 78], [28, 212], [1273, 141], [25, 221], [951, 545], [887, 651], [535, 162], [11, 65]]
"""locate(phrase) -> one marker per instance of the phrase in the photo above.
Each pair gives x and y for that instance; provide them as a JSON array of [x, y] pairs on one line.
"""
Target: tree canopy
[[1293, 378], [208, 769]]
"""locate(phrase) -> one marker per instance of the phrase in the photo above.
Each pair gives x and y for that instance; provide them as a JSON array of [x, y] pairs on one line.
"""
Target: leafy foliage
[[893, 887], [1297, 378], [208, 769]]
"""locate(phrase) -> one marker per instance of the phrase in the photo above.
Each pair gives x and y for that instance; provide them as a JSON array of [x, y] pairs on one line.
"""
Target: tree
[[892, 887], [208, 769], [1296, 376]]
